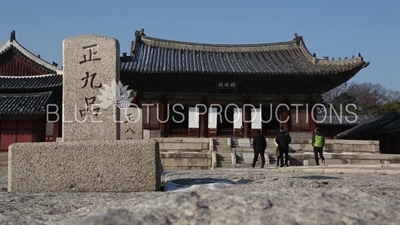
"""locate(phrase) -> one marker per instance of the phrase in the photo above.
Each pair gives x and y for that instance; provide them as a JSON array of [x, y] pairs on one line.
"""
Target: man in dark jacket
[[259, 146], [283, 140]]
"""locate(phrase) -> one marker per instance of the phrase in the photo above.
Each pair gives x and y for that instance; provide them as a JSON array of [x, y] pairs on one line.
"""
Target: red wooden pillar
[[283, 115], [312, 115], [247, 118], [162, 115], [203, 117]]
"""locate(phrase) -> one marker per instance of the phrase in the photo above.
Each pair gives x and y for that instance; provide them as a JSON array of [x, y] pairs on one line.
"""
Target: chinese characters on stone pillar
[[129, 132], [89, 81]]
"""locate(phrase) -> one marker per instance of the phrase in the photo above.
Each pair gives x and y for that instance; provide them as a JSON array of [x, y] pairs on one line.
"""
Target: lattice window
[[299, 119]]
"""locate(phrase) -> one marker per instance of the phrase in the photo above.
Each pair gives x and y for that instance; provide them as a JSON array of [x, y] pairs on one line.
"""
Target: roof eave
[[14, 43]]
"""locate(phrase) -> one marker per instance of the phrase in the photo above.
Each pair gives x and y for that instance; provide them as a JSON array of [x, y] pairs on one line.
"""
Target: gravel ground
[[237, 196]]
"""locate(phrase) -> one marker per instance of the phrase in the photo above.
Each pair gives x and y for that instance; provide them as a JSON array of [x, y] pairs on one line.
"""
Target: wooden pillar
[[135, 100], [312, 115], [163, 116], [247, 118], [203, 118], [283, 115]]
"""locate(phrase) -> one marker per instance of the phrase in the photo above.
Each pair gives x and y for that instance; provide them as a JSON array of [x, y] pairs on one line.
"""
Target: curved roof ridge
[[325, 60], [297, 42], [12, 42], [30, 76], [147, 38], [43, 93], [173, 44]]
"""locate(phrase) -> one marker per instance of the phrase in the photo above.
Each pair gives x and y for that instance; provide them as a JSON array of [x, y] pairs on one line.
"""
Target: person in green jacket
[[318, 143]]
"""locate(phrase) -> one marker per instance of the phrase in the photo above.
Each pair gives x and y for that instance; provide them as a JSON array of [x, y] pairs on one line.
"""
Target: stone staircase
[[3, 162], [244, 152], [185, 153], [224, 153], [200, 145]]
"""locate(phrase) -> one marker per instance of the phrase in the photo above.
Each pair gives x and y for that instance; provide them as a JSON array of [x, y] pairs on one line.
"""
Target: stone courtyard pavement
[[295, 195]]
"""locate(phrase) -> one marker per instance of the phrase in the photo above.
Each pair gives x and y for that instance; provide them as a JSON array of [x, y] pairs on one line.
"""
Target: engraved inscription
[[130, 118], [129, 130], [94, 110], [128, 133], [91, 76], [90, 101], [91, 53]]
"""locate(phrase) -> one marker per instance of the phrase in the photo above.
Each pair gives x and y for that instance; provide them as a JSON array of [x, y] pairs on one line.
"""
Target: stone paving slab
[[368, 169]]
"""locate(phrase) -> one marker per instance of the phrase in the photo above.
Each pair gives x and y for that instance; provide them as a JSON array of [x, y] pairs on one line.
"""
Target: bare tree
[[393, 96], [368, 94], [330, 96], [373, 98]]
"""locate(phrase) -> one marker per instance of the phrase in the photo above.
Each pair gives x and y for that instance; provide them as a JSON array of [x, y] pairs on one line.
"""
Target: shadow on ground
[[318, 177], [197, 181]]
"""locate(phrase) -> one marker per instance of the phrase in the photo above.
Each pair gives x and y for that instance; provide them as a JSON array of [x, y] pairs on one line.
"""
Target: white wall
[[237, 118], [194, 119], [212, 117], [256, 118]]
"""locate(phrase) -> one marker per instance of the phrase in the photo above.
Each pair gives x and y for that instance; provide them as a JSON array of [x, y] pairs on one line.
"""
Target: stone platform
[[85, 166]]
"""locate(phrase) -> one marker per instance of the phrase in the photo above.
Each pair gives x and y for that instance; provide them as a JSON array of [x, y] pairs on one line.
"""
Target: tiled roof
[[373, 126], [23, 104], [152, 55], [13, 44], [31, 82], [344, 119], [391, 127]]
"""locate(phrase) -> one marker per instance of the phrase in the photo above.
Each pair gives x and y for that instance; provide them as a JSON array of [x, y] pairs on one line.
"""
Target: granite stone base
[[85, 166]]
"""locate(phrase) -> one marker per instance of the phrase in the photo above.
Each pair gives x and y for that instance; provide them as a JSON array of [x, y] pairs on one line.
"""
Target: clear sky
[[329, 28]]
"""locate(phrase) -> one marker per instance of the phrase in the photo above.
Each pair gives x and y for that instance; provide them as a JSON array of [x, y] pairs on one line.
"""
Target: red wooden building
[[246, 85], [224, 78], [27, 85]]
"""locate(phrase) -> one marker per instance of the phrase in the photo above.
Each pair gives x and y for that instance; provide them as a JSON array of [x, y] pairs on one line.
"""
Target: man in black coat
[[259, 146], [283, 140]]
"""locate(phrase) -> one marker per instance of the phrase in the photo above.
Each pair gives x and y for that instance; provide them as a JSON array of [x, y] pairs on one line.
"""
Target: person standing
[[259, 146], [318, 143], [241, 132], [283, 140], [277, 154]]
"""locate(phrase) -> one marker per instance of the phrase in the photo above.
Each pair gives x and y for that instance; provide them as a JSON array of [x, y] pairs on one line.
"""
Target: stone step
[[184, 150], [222, 146], [248, 158], [245, 165], [3, 169], [224, 159], [226, 166], [227, 158], [3, 156]]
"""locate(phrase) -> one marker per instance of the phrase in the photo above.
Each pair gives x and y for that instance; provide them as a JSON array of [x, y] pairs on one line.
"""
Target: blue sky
[[329, 28]]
